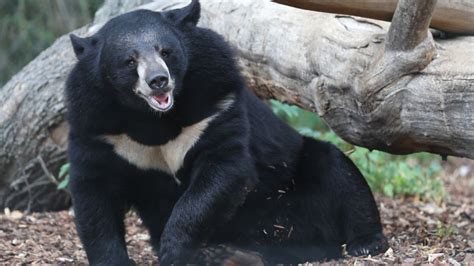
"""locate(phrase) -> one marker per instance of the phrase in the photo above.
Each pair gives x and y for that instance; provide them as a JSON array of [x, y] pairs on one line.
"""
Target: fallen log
[[450, 15]]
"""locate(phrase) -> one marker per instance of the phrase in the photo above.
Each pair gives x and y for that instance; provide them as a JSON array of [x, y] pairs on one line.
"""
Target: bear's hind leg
[[342, 201], [362, 226]]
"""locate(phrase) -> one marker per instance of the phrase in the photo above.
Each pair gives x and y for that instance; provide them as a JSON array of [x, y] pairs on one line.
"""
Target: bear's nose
[[158, 82]]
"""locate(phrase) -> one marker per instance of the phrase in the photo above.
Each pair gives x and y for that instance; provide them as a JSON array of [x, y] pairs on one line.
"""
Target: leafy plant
[[445, 230], [63, 176], [392, 175]]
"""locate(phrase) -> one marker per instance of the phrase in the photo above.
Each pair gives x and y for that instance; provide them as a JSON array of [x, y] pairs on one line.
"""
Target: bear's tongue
[[161, 102], [162, 99]]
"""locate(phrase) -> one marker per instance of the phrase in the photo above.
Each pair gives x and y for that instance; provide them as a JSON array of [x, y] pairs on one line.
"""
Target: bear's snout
[[158, 82]]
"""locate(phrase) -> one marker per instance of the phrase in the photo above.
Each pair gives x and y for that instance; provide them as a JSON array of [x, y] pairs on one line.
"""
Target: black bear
[[161, 121]]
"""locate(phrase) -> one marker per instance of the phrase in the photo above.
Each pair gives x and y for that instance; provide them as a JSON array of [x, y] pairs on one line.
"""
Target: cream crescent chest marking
[[168, 157]]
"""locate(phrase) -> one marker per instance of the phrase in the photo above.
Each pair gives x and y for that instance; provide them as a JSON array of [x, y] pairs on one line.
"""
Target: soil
[[418, 231]]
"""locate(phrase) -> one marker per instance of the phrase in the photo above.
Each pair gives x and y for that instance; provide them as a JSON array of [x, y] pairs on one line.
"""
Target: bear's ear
[[82, 46], [188, 15]]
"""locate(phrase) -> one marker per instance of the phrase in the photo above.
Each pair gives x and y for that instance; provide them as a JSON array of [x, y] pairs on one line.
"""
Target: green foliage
[[27, 27], [63, 176], [392, 175], [444, 231]]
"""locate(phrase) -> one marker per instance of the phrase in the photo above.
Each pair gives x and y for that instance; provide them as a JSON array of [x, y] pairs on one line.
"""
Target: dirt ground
[[418, 232]]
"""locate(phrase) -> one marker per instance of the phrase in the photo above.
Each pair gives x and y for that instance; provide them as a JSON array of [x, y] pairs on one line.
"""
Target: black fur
[[250, 181]]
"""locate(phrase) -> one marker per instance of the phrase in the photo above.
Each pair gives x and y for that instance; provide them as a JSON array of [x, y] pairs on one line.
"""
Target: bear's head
[[141, 55]]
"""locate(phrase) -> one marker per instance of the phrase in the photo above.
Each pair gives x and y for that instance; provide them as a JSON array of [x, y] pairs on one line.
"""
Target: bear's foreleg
[[219, 185], [99, 220]]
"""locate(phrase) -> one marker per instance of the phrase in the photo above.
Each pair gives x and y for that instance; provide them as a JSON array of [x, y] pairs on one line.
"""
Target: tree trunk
[[393, 92]]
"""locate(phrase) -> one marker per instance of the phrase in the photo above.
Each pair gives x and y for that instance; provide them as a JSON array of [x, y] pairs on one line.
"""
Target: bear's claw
[[368, 246]]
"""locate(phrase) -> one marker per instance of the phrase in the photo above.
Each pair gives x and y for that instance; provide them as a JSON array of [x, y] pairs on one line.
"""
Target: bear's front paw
[[372, 245]]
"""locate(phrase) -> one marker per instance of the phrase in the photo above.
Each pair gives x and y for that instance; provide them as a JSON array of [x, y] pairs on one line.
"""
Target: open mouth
[[161, 102]]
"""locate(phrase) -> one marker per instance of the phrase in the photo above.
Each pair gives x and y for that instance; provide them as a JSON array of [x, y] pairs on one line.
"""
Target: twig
[[30, 196], [46, 171]]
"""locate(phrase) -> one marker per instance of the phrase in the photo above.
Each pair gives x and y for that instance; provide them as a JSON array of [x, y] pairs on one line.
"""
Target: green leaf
[[63, 170], [64, 183]]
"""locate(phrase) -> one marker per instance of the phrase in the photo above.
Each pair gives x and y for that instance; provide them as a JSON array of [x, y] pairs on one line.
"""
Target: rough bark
[[409, 27], [450, 15], [400, 96]]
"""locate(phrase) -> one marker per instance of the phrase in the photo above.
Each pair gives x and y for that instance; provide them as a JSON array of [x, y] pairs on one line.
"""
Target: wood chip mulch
[[418, 231]]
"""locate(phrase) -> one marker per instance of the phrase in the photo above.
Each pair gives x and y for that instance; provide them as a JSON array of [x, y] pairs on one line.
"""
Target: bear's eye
[[165, 53], [131, 62]]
